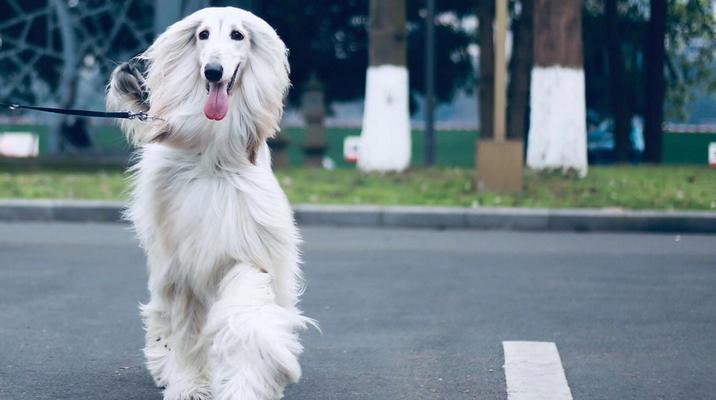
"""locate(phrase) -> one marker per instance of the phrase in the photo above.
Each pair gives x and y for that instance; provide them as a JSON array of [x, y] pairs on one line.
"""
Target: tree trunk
[[69, 74], [617, 85], [558, 131], [250, 5], [655, 85], [486, 82], [385, 139], [518, 92], [171, 12], [387, 33]]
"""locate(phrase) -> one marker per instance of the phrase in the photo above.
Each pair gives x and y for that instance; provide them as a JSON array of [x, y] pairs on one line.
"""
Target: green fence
[[106, 138], [40, 130], [687, 148], [454, 147]]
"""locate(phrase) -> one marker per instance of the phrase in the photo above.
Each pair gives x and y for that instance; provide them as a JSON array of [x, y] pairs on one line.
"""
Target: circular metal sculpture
[[59, 52]]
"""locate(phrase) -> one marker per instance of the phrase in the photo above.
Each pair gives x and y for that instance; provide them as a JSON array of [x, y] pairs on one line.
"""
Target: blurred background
[[649, 84]]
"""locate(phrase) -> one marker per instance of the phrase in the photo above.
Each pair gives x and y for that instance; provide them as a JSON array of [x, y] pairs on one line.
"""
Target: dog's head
[[218, 62]]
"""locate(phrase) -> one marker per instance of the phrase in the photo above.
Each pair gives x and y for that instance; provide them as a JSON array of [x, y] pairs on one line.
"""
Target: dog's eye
[[203, 35], [236, 35]]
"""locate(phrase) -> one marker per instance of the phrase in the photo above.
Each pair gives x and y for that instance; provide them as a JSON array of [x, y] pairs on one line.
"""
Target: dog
[[222, 247]]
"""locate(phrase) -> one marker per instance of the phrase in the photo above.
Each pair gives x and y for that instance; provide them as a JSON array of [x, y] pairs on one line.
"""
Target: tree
[[655, 83], [174, 10], [557, 137], [328, 39], [618, 87], [58, 53], [486, 18], [453, 64], [385, 138], [518, 91], [690, 59], [679, 62]]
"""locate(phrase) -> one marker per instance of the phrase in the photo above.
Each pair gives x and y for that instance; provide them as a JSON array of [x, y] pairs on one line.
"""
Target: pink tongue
[[217, 103]]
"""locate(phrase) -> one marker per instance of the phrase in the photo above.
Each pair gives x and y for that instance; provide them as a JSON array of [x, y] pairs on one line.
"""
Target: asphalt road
[[406, 314]]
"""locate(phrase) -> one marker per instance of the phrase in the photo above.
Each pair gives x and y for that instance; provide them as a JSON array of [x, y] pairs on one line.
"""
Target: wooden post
[[499, 161], [500, 70]]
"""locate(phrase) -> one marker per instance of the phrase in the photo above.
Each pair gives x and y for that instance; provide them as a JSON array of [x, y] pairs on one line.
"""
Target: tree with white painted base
[[558, 131], [385, 138]]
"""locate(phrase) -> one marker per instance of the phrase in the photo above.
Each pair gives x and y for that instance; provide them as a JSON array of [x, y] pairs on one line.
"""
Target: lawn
[[643, 187]]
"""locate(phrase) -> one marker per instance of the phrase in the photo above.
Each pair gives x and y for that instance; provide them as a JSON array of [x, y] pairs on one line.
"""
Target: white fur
[[218, 231]]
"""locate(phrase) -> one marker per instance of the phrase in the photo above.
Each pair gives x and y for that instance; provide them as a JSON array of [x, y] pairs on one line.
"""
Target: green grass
[[643, 187]]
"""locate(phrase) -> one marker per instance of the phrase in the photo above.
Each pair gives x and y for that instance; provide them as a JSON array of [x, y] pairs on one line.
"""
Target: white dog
[[219, 234]]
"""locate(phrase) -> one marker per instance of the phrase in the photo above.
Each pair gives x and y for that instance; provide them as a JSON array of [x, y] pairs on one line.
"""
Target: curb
[[523, 219], [61, 210], [520, 219]]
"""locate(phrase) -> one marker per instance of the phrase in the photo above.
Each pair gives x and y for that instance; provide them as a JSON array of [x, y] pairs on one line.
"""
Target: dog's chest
[[198, 219], [203, 222]]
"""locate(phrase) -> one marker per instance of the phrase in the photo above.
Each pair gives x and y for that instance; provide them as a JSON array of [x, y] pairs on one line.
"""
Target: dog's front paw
[[128, 83], [188, 392]]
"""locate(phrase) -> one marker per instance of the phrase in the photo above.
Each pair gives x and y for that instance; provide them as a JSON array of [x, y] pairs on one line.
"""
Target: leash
[[141, 115]]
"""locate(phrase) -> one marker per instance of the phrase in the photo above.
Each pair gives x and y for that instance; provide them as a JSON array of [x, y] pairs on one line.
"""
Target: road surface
[[406, 314]]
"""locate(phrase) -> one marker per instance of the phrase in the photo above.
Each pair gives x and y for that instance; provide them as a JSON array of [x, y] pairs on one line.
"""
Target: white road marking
[[534, 371]]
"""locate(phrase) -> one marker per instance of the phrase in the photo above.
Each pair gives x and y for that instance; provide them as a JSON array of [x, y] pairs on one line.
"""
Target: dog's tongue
[[217, 103]]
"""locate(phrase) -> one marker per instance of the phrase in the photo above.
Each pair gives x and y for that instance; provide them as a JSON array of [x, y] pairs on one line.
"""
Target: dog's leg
[[185, 368], [175, 355], [254, 346], [157, 326]]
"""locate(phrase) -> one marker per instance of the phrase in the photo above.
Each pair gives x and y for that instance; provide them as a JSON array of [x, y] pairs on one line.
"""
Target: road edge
[[521, 219]]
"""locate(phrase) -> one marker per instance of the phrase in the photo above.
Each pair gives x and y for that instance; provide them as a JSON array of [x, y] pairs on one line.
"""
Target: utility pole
[[499, 160], [430, 84]]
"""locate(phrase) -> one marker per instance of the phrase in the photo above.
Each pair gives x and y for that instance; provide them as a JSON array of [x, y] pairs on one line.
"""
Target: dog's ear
[[171, 45], [265, 81], [169, 67]]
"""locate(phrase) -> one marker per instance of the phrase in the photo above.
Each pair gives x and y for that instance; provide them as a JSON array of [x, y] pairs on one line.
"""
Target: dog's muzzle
[[217, 101]]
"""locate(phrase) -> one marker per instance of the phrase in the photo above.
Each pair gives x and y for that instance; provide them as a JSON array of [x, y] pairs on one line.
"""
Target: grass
[[643, 187]]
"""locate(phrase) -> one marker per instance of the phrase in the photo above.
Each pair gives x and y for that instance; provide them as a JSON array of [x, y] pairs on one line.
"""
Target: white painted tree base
[[558, 120], [385, 138]]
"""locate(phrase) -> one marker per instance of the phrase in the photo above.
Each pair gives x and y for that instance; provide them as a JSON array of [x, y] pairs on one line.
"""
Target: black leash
[[142, 116]]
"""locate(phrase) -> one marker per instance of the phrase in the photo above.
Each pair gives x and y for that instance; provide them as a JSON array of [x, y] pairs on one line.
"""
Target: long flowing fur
[[221, 243]]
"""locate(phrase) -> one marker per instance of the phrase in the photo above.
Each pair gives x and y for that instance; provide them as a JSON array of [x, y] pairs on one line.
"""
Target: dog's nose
[[213, 72]]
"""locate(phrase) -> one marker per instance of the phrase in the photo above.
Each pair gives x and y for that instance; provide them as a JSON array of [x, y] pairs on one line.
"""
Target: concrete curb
[[587, 220], [61, 210]]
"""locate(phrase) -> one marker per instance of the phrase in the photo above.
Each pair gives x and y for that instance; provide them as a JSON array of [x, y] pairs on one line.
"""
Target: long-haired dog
[[218, 231]]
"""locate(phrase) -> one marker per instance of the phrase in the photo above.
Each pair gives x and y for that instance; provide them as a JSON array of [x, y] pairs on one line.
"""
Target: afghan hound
[[218, 231]]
